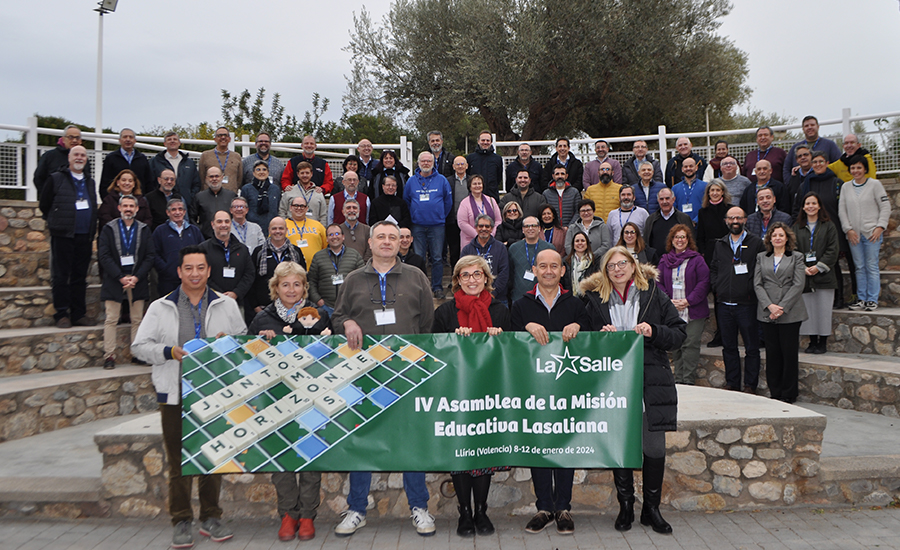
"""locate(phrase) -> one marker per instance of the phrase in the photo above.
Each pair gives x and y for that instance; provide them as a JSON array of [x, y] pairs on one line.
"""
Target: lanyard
[[300, 230], [382, 284], [812, 232], [736, 246], [227, 253], [765, 225], [127, 237], [80, 186], [776, 262], [241, 233], [488, 251], [546, 238], [198, 319], [528, 256], [339, 256], [758, 158], [630, 212], [678, 273], [228, 154]]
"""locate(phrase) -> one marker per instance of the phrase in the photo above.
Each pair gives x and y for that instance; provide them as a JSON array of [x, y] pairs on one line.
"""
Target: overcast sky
[[166, 61]]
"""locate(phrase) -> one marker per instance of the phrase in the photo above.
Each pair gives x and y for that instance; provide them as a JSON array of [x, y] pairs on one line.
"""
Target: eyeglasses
[[221, 136], [605, 170], [73, 137], [475, 276], [238, 207], [612, 266], [168, 179], [214, 176], [529, 225], [263, 141], [484, 226], [734, 218], [629, 233], [819, 161], [679, 238], [335, 234], [512, 211], [298, 206], [260, 169], [729, 164]]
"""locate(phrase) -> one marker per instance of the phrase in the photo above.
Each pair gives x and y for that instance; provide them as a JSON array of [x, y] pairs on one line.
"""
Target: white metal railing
[[18, 161]]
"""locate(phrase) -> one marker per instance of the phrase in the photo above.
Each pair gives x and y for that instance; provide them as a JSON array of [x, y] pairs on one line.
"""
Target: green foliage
[[58, 123], [752, 118], [243, 117]]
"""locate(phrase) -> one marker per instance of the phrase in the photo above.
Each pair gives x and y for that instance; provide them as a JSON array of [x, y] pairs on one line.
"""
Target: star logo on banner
[[563, 367]]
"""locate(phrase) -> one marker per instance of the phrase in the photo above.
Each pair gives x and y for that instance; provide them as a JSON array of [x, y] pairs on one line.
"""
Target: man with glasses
[[274, 164], [525, 161], [330, 267], [630, 170], [775, 155], [530, 201], [229, 162], [215, 198], [429, 198], [306, 234], [815, 142], [168, 240], [367, 163], [658, 225], [803, 159], [247, 232], [604, 193], [187, 178], [731, 277], [126, 158], [732, 180], [592, 169], [494, 253], [522, 255], [57, 159], [384, 297], [306, 188]]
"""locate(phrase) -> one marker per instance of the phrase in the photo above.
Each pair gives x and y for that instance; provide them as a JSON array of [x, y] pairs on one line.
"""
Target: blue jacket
[[250, 192], [497, 257], [166, 246], [429, 198], [694, 196], [640, 200]]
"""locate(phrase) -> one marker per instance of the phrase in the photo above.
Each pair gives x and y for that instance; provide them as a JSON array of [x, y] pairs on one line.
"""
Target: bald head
[[548, 269]]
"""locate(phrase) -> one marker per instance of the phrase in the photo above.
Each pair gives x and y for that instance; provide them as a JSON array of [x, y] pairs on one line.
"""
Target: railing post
[[663, 154], [845, 125], [31, 158], [231, 143], [406, 153], [245, 149]]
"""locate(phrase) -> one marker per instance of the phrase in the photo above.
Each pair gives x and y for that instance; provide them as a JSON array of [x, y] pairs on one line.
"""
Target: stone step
[[32, 306], [39, 403], [890, 286], [42, 349]]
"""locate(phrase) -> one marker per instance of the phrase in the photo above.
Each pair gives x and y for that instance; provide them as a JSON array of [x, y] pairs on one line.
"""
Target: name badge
[[385, 317], [83, 204], [529, 276], [753, 172], [677, 286], [337, 280], [810, 256], [127, 260], [424, 196], [740, 269], [301, 243], [687, 207], [228, 272], [224, 180]]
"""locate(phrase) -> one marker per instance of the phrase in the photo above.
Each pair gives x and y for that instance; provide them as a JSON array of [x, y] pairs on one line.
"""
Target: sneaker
[[857, 305], [183, 537], [214, 529], [64, 322], [288, 529], [110, 363], [564, 523], [422, 521], [305, 529], [871, 306], [351, 522], [539, 522]]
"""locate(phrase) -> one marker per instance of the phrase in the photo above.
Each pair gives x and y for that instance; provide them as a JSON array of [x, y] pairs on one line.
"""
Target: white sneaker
[[351, 522], [422, 521]]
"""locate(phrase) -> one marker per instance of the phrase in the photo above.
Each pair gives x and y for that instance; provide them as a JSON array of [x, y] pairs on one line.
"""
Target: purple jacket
[[696, 280]]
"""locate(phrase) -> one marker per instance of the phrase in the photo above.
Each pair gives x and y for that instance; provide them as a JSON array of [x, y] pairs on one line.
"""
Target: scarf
[[472, 311], [672, 259], [289, 316], [285, 249], [486, 202], [848, 160], [262, 204]]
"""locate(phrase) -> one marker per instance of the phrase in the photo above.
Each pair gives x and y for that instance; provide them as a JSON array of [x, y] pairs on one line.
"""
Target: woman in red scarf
[[472, 309]]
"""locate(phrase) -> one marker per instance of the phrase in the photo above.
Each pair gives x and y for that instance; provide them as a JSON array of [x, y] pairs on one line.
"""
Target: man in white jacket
[[193, 310]]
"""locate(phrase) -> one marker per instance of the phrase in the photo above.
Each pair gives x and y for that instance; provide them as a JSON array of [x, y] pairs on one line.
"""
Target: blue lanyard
[[197, 320], [548, 239], [127, 237], [765, 225], [767, 153], [339, 256], [228, 154], [528, 256], [621, 225], [735, 247], [488, 251], [80, 186], [678, 273], [227, 253], [382, 284], [775, 263], [241, 234], [812, 232]]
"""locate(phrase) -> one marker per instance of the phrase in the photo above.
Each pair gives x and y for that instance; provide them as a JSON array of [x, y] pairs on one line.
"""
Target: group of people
[[598, 246]]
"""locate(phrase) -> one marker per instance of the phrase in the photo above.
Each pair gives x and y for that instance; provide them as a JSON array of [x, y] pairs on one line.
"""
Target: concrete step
[[42, 349], [44, 402], [32, 306]]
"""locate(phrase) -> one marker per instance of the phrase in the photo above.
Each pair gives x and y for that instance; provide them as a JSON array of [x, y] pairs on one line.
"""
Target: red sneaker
[[288, 528], [307, 530]]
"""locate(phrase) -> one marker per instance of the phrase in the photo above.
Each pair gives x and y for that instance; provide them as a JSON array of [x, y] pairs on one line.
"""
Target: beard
[[736, 228], [605, 178]]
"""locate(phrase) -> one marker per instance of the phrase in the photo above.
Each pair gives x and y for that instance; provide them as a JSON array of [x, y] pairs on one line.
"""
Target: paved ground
[[769, 530]]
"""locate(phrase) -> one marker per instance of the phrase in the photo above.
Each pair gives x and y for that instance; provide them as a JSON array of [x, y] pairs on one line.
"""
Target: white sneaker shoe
[[351, 523], [423, 522]]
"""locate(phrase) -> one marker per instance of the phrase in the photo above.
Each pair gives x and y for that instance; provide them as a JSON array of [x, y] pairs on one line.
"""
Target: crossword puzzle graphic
[[251, 405]]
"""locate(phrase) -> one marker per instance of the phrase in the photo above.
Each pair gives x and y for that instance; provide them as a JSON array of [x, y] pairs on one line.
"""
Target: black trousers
[[71, 257], [782, 359]]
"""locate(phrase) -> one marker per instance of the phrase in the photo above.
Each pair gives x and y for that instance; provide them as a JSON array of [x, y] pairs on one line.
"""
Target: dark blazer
[[109, 255], [58, 204]]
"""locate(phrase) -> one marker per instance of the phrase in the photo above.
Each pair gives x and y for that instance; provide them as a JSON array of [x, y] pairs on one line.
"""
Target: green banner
[[427, 402]]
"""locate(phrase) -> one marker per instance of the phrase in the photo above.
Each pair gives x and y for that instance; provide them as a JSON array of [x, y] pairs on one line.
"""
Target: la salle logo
[[567, 362]]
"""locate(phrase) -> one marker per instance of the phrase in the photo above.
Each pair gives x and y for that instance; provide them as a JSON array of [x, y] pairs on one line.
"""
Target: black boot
[[624, 479], [481, 486], [823, 342], [654, 469], [813, 344], [462, 483]]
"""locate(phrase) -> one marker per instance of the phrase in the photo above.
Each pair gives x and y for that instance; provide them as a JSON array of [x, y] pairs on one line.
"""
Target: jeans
[[553, 488], [413, 484], [868, 279], [327, 309], [429, 241], [740, 318]]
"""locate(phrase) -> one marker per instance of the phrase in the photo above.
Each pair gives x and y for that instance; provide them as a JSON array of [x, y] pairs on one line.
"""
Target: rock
[[740, 452], [95, 400], [129, 387], [754, 469], [522, 474], [126, 404], [395, 480], [28, 364], [577, 480], [809, 448], [9, 405], [500, 477], [75, 362], [861, 334], [699, 503], [693, 484], [711, 448], [728, 486], [844, 403], [123, 479], [503, 495], [728, 435], [37, 224], [790, 493], [62, 510], [765, 490], [19, 425], [883, 348], [48, 361], [74, 406], [337, 504], [87, 416], [828, 390], [770, 454], [153, 462], [138, 508], [878, 332], [677, 440], [761, 433], [805, 467], [53, 409], [331, 482], [890, 410], [261, 492], [35, 400], [871, 392], [878, 497], [690, 463], [726, 467]]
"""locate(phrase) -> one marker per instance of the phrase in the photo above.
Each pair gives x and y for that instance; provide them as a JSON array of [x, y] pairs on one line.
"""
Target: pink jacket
[[465, 218]]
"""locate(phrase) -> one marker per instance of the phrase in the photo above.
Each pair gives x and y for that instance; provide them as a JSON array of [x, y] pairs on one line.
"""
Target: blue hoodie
[[429, 198]]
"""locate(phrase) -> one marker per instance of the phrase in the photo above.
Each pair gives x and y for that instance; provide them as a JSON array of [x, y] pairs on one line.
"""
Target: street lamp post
[[103, 7]]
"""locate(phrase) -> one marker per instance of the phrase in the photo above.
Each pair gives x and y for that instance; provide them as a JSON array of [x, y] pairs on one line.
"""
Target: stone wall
[[59, 350], [856, 332], [35, 411], [33, 307]]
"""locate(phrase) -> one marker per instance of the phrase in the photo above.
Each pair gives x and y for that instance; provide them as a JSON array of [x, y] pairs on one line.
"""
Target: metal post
[[31, 157], [845, 124], [231, 143], [663, 154], [405, 155], [98, 108], [245, 149]]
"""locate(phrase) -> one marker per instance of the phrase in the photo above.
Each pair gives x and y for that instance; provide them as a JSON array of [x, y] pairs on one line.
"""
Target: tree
[[537, 68], [245, 118]]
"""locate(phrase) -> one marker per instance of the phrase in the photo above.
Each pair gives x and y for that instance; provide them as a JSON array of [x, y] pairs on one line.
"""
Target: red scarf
[[472, 311]]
